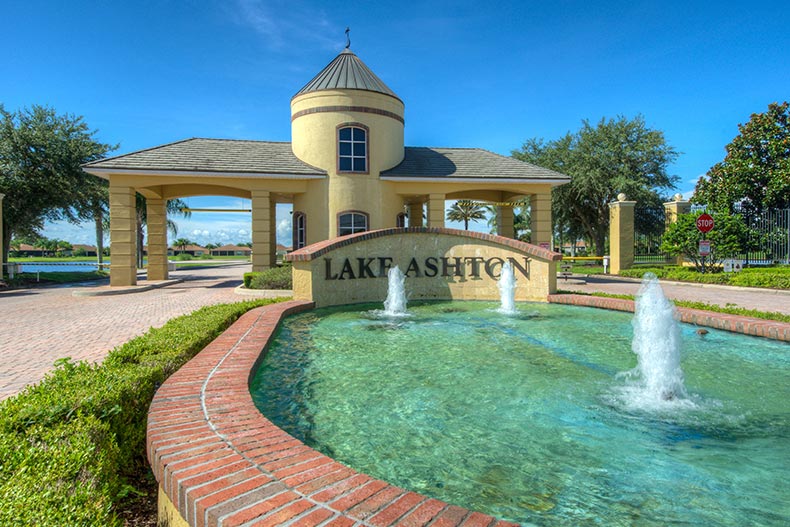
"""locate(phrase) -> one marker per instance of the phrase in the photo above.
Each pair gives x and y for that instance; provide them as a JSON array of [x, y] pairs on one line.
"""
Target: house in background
[[192, 250], [231, 250]]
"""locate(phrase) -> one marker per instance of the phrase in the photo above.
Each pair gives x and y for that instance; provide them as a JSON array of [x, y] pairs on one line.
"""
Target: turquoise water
[[525, 417]]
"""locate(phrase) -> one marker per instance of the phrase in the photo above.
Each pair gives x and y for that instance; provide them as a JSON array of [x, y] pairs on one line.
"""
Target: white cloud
[[284, 232], [286, 23]]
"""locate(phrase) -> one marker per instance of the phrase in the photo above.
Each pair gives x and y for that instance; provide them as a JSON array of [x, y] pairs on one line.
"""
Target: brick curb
[[221, 463], [737, 324], [109, 290]]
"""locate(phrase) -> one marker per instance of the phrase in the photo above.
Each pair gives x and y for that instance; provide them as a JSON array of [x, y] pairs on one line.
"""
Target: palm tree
[[182, 243], [466, 210]]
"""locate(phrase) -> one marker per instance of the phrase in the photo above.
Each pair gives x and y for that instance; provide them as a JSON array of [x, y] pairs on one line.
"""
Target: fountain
[[656, 343], [395, 304], [507, 290]]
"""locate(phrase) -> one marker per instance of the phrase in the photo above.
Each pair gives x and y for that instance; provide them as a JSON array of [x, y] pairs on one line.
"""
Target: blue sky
[[472, 74]]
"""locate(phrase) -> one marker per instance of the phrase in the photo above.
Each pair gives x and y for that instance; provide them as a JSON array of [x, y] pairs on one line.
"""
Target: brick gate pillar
[[672, 210], [621, 234], [504, 222], [540, 218]]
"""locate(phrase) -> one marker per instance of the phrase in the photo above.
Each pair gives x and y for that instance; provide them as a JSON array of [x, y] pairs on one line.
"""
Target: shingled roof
[[221, 156], [270, 159], [467, 163], [347, 72]]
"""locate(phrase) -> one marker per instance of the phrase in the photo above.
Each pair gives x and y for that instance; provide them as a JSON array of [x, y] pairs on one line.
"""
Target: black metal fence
[[768, 235]]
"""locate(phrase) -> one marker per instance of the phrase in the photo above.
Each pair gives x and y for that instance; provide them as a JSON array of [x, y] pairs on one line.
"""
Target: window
[[400, 220], [352, 149], [299, 230], [351, 222]]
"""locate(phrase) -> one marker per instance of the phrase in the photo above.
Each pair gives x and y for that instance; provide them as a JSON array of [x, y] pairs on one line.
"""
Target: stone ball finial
[[621, 196], [678, 197]]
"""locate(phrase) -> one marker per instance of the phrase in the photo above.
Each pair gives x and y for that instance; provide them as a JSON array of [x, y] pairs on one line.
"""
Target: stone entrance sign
[[438, 263]]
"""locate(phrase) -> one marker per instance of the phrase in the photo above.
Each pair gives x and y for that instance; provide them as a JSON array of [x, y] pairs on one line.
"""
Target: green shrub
[[63, 474], [87, 422], [772, 277], [274, 278], [182, 257]]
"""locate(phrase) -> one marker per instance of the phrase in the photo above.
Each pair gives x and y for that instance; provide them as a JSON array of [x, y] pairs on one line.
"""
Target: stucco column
[[436, 210], [156, 210], [123, 243], [504, 222], [621, 234], [272, 233], [415, 214], [261, 230], [540, 218], [672, 210], [2, 267]]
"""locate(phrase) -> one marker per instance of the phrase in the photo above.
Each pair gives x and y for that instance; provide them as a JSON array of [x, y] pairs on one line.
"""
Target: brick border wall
[[220, 462], [737, 324]]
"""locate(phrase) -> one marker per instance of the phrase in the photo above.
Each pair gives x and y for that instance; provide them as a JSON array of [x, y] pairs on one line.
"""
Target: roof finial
[[348, 38]]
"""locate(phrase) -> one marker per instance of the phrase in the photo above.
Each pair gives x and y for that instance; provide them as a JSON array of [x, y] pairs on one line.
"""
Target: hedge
[[73, 446], [274, 278], [771, 277]]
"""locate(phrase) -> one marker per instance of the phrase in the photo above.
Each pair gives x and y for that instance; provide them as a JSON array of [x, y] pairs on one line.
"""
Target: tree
[[603, 160], [521, 219], [727, 239], [182, 243], [40, 175], [466, 210], [755, 172], [94, 205]]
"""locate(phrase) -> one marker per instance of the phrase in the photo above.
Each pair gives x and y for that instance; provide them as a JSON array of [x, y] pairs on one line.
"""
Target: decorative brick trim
[[360, 109], [222, 463], [311, 252], [757, 327]]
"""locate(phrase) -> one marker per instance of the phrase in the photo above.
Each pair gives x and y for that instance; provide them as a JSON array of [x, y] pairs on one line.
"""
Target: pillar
[[540, 218], [504, 222], [436, 210], [621, 234], [272, 233], [415, 214], [156, 211], [2, 267], [262, 227], [123, 232], [672, 210]]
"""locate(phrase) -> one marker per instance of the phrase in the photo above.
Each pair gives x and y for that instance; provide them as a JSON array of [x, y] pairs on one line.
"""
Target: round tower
[[348, 122]]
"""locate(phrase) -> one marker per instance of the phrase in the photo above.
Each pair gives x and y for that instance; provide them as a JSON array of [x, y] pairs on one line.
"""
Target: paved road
[[39, 326], [760, 299]]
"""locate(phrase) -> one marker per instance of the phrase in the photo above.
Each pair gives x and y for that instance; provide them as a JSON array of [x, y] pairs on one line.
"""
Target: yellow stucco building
[[346, 170]]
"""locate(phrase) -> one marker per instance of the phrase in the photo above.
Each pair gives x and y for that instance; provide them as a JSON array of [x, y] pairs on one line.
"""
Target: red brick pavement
[[39, 326]]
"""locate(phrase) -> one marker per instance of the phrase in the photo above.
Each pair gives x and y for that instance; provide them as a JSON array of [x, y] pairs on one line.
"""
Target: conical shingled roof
[[347, 71]]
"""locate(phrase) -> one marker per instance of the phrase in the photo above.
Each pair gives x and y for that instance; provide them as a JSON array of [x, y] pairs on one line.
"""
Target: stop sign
[[704, 223]]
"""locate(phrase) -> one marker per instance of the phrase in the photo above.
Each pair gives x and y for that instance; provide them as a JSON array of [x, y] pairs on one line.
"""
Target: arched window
[[352, 149], [351, 222], [299, 230], [400, 220]]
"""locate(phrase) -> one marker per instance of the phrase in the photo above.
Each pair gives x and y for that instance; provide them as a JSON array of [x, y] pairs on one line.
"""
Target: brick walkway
[[39, 326]]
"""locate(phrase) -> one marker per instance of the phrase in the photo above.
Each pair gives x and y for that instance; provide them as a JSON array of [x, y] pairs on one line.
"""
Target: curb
[[109, 290], [263, 293]]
